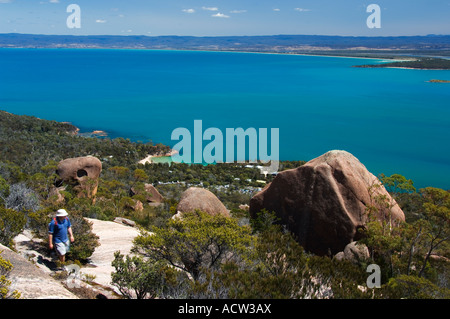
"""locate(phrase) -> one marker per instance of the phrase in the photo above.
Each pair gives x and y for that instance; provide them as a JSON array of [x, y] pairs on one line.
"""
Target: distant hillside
[[277, 43]]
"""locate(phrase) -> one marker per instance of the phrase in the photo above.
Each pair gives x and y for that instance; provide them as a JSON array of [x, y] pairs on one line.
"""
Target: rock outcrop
[[113, 237], [354, 252], [195, 198], [324, 202], [124, 221], [82, 173], [32, 282], [33, 266], [152, 196]]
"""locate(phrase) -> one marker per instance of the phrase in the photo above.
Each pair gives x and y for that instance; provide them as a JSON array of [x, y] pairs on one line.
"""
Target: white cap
[[61, 213]]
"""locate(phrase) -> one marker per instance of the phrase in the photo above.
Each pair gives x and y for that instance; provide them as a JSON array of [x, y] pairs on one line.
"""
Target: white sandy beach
[[148, 159]]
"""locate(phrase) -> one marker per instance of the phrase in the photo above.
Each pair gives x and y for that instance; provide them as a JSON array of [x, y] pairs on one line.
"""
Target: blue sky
[[226, 17]]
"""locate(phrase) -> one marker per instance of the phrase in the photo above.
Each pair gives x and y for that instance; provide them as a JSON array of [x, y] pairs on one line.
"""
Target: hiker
[[58, 229]]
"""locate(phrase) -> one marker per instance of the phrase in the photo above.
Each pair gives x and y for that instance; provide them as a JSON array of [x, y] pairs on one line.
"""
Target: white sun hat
[[61, 213]]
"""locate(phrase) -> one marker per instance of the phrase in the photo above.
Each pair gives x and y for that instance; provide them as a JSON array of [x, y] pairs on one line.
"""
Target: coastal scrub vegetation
[[5, 269], [420, 63], [203, 256]]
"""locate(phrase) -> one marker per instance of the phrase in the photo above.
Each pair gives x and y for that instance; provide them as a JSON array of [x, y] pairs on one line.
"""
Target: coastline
[[149, 158], [95, 133], [387, 57]]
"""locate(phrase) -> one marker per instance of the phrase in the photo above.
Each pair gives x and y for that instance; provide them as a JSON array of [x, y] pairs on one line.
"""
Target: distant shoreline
[[439, 81], [416, 64], [149, 158], [321, 54]]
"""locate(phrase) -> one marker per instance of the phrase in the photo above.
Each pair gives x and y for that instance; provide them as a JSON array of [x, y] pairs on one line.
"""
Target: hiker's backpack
[[56, 220]]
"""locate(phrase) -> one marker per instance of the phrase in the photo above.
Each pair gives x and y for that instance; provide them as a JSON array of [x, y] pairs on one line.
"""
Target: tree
[[437, 216], [405, 249], [381, 234], [136, 277], [11, 224], [413, 287], [278, 268], [120, 171], [140, 175], [4, 190], [397, 183], [195, 241]]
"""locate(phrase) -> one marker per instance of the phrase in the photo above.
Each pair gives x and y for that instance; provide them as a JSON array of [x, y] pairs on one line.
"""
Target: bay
[[392, 120]]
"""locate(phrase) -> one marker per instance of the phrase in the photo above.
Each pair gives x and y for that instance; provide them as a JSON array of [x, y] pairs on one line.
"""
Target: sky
[[226, 17]]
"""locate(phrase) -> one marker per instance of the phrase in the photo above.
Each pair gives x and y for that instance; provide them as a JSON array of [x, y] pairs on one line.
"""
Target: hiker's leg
[[61, 251]]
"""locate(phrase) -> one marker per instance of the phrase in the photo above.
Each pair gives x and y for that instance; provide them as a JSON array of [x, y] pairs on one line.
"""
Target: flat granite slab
[[31, 281]]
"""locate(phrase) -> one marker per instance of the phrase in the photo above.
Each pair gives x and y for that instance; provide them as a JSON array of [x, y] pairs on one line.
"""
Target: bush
[[4, 190], [5, 268], [85, 241], [136, 277], [21, 198], [195, 241], [11, 224], [413, 287]]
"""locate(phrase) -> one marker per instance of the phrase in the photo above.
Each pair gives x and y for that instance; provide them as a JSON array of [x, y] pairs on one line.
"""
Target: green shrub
[[5, 268], [136, 277], [85, 240], [11, 224]]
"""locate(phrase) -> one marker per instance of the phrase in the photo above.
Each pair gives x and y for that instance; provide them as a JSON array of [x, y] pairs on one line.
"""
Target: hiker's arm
[[69, 230], [50, 241]]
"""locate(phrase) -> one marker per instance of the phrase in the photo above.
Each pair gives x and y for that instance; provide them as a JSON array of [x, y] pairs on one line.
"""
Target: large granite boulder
[[324, 202], [82, 173], [195, 198], [152, 196], [354, 252]]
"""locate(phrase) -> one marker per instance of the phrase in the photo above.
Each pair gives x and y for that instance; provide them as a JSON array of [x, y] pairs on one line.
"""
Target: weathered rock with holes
[[82, 173]]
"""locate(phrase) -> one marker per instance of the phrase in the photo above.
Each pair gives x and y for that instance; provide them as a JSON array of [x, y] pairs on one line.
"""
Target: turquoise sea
[[393, 120]]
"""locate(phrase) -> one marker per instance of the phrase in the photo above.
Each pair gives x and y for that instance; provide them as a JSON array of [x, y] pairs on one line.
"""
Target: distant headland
[[352, 46], [421, 63]]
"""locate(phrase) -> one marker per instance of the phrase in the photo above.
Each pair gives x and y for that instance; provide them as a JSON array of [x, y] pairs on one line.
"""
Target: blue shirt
[[59, 230]]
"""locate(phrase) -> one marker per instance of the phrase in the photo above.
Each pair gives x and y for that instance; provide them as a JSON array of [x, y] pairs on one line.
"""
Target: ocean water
[[392, 120]]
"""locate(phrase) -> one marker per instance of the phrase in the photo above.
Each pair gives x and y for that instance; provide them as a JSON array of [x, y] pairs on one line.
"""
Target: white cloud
[[302, 9], [54, 1], [238, 11], [220, 15], [5, 1], [188, 10], [276, 9], [210, 8], [100, 21]]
